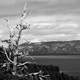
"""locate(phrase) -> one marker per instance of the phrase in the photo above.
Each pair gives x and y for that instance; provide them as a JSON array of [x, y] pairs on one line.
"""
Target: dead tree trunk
[[13, 41], [15, 63]]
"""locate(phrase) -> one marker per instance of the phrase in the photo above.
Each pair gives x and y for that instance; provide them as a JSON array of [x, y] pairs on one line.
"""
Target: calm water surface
[[68, 64]]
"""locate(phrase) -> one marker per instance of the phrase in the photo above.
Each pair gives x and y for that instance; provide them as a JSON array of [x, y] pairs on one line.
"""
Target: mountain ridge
[[71, 47]]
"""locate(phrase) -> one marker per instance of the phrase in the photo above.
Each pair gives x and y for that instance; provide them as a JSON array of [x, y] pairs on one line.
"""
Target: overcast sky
[[50, 19]]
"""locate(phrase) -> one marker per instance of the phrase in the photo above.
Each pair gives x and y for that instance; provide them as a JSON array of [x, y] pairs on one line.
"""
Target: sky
[[50, 20]]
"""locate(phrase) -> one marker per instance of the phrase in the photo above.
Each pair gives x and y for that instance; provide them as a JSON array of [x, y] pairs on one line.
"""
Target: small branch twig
[[22, 64], [38, 73]]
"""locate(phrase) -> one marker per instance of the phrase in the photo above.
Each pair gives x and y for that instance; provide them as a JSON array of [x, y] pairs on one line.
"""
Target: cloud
[[53, 37], [56, 27], [7, 2], [1, 31], [50, 19], [40, 7], [35, 40], [1, 36], [50, 7]]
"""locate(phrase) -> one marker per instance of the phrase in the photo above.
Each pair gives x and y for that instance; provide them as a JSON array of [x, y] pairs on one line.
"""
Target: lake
[[68, 64]]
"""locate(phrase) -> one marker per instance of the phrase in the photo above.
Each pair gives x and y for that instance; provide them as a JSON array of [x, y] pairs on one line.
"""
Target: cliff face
[[53, 48]]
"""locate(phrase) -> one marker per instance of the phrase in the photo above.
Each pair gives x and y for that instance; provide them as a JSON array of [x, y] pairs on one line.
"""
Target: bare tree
[[14, 40]]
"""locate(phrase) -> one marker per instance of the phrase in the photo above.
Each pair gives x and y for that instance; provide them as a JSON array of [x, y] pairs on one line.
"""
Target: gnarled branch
[[22, 64], [7, 56]]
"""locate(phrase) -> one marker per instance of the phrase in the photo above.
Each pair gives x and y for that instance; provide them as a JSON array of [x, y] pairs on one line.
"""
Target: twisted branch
[[7, 56], [22, 64]]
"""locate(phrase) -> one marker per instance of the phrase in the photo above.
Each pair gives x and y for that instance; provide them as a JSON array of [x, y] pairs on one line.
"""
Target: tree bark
[[15, 66], [15, 63]]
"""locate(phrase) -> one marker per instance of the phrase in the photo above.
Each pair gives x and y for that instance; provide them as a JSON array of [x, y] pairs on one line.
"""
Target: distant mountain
[[52, 48]]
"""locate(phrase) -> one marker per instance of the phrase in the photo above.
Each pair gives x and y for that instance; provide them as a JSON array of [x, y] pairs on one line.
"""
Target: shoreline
[[58, 57]]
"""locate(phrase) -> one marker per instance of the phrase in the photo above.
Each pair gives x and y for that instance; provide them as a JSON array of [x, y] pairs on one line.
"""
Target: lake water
[[67, 64]]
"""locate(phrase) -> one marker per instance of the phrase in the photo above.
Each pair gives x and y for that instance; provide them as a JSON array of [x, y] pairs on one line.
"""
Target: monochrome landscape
[[39, 39]]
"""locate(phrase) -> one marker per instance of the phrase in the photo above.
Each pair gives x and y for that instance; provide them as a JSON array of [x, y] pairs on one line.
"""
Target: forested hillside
[[52, 48]]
